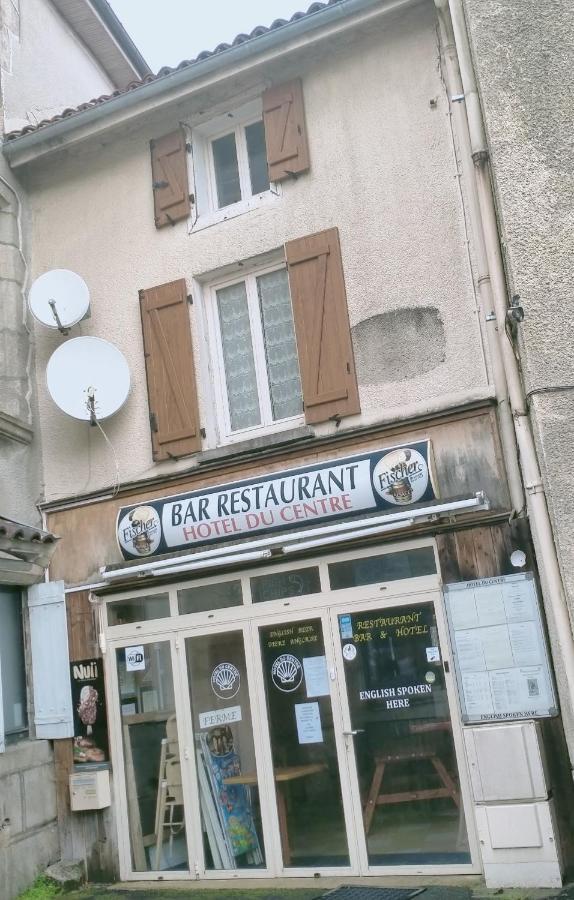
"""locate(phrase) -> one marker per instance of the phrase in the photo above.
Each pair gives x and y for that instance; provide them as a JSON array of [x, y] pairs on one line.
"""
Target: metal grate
[[358, 892]]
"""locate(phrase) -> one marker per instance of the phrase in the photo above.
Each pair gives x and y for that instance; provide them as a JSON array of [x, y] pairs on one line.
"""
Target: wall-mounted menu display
[[500, 655]]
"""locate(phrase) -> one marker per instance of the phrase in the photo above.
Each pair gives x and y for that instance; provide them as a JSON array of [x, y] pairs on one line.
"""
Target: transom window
[[253, 338]]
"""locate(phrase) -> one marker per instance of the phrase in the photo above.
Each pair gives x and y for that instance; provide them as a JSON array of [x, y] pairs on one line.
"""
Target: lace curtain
[[238, 357], [280, 345]]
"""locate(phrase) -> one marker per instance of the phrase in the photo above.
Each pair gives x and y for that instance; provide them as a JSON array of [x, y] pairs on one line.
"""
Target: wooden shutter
[[285, 132], [169, 179], [172, 391], [322, 326], [53, 715]]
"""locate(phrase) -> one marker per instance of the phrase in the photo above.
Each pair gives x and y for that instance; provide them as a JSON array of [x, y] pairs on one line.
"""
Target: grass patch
[[42, 889]]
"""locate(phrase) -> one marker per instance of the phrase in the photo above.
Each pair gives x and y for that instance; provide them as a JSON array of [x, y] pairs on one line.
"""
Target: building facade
[[296, 554]]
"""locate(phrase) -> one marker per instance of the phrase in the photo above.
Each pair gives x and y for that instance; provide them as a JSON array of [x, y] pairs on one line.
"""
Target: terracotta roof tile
[[258, 31]]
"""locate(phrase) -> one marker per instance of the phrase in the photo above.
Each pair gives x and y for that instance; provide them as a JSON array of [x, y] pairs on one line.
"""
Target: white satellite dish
[[59, 299], [88, 378]]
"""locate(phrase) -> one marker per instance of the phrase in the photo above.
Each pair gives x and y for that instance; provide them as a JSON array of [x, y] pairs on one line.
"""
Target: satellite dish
[[59, 299], [88, 378]]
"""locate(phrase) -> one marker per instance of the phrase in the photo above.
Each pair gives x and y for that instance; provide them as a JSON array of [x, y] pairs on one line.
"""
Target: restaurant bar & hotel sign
[[324, 492]]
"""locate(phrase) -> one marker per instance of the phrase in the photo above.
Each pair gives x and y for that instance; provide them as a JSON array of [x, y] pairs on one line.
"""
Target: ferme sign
[[328, 491]]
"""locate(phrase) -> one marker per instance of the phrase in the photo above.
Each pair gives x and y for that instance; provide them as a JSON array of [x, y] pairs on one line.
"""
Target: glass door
[[400, 735], [297, 679]]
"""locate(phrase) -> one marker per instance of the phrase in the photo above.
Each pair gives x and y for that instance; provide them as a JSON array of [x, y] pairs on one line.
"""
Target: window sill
[[252, 445], [207, 220]]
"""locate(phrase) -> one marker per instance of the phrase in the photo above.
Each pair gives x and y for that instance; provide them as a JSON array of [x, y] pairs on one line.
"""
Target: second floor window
[[239, 164], [254, 344]]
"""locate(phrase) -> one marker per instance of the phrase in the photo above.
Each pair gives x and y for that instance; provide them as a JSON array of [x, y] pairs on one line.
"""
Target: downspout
[[536, 503], [484, 285]]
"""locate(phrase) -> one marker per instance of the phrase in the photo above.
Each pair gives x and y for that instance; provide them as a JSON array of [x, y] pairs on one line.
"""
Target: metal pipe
[[551, 577], [460, 121]]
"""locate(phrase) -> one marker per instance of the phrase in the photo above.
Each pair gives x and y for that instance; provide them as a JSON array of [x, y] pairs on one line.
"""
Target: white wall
[[382, 170], [45, 67]]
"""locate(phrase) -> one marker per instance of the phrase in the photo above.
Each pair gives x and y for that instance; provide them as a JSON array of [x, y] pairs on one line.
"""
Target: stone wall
[[28, 825]]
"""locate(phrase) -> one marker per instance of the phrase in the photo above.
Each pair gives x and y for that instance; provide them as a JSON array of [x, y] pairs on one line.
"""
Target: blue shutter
[[53, 716]]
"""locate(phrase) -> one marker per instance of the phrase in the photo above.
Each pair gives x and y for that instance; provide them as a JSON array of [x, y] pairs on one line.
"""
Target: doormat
[[358, 892]]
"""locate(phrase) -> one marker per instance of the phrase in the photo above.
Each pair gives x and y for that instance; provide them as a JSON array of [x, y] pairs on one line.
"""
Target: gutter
[[51, 137]]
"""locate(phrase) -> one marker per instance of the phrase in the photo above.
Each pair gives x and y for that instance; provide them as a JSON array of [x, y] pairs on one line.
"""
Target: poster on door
[[500, 656], [393, 665]]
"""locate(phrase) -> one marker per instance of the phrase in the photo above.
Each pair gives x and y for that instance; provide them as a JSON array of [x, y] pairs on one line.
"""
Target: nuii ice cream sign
[[327, 491]]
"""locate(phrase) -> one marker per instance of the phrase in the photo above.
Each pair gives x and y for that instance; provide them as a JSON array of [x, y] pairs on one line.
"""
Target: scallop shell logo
[[287, 672], [225, 680]]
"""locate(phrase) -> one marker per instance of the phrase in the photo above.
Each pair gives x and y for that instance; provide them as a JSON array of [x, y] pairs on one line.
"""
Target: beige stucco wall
[[44, 65], [382, 170], [523, 56]]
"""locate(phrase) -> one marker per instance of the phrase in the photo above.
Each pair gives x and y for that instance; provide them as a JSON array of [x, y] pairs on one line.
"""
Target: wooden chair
[[169, 807]]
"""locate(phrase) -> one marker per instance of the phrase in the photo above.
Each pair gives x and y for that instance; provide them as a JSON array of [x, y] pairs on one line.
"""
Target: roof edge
[[122, 36], [55, 135]]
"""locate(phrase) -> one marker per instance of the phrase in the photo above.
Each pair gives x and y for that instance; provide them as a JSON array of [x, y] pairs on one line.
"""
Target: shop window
[[12, 663], [205, 597], [384, 567], [254, 344], [138, 609], [280, 585]]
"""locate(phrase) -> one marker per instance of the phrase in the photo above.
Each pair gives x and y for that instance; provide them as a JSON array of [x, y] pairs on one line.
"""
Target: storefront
[[305, 671]]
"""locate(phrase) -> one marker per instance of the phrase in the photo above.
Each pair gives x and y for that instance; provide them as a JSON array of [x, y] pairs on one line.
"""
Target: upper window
[[254, 344], [12, 670], [239, 164]]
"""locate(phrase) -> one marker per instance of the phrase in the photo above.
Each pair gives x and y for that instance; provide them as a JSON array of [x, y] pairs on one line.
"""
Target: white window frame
[[267, 426], [207, 212]]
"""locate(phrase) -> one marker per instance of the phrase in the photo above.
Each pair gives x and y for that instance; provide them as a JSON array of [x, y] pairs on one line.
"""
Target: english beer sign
[[320, 493]]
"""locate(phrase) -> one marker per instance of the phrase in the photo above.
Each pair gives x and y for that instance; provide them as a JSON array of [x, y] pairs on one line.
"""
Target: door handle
[[354, 732]]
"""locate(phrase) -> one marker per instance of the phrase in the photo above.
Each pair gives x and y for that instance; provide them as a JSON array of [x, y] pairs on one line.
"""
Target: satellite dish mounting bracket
[[53, 307]]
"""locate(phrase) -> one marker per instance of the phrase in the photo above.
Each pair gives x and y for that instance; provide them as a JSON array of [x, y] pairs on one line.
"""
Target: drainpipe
[[485, 293], [536, 502]]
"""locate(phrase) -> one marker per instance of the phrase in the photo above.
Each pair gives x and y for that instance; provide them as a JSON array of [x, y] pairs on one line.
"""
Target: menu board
[[500, 656]]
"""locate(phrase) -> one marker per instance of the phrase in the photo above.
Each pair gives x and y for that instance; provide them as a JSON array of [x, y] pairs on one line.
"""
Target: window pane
[[209, 596], [280, 345], [226, 170], [12, 661], [238, 358], [138, 609], [387, 567], [257, 155], [279, 585]]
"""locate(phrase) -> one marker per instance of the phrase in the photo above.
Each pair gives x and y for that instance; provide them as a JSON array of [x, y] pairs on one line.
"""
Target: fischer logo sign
[[328, 491]]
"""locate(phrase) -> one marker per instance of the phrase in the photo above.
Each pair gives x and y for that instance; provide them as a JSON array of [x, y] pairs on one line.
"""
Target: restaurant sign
[[324, 492]]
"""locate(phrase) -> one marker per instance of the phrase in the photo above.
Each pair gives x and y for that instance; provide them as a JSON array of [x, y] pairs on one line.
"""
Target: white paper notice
[[490, 605], [220, 716], [316, 676], [308, 718], [477, 694], [135, 659], [463, 610], [496, 647], [524, 642], [469, 651], [507, 691], [520, 601]]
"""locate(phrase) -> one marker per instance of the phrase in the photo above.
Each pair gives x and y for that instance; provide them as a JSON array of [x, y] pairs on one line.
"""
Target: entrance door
[[400, 736]]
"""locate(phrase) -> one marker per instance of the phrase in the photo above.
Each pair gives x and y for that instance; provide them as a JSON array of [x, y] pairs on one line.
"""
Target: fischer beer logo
[[140, 531], [85, 673], [401, 476]]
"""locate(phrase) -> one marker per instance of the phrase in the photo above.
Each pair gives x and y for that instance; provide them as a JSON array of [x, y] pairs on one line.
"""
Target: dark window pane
[[12, 661], [387, 567], [285, 584], [138, 609], [209, 596], [226, 170], [257, 155]]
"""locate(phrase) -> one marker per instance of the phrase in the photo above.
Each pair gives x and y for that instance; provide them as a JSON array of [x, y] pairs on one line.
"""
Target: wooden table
[[283, 774]]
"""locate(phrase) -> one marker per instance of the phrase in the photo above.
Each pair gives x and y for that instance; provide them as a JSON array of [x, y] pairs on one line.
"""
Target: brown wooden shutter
[[169, 179], [172, 391], [322, 326], [285, 132]]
